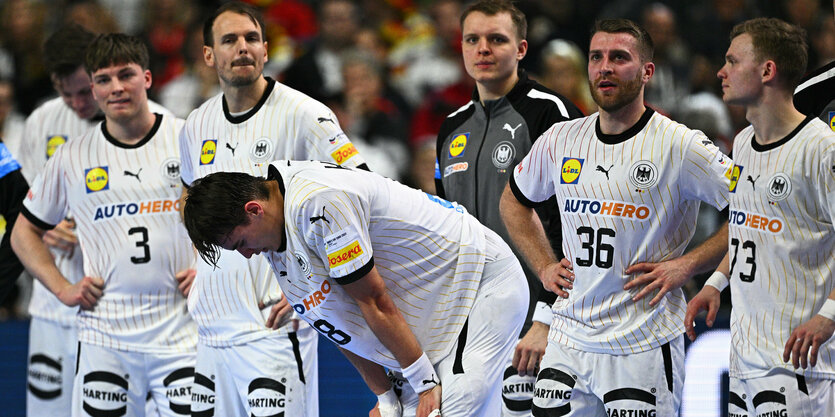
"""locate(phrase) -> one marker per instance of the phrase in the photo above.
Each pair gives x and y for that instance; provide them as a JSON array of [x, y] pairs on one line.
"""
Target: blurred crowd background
[[391, 69]]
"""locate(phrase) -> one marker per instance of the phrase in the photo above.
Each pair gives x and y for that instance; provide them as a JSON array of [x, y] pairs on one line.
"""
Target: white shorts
[[781, 393], [115, 382], [470, 386], [52, 352], [517, 391], [264, 377], [578, 384]]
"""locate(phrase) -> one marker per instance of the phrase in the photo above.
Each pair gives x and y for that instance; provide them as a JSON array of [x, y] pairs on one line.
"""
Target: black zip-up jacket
[[477, 148]]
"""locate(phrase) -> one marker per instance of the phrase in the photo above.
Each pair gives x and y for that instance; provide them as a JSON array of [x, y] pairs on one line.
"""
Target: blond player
[[628, 182], [396, 277], [246, 361], [781, 233], [121, 181], [52, 331]]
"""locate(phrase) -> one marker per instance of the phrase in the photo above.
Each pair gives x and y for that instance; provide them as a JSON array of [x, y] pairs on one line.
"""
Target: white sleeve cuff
[[542, 313]]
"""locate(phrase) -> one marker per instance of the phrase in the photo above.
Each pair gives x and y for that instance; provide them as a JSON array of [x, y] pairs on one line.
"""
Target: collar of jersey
[[628, 133], [274, 175], [763, 148], [244, 117], [139, 144]]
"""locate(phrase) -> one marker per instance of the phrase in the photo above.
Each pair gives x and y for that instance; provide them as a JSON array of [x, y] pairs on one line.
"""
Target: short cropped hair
[[114, 49], [64, 50], [494, 7], [646, 48], [781, 42], [214, 206], [235, 7]]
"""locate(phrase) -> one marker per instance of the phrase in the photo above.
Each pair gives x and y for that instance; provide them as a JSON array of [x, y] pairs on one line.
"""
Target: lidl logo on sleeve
[[345, 255], [735, 173], [457, 145], [208, 152], [96, 179], [571, 168], [52, 144], [344, 153], [831, 118]]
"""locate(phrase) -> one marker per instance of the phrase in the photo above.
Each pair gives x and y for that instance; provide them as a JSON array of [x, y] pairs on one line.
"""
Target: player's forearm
[[708, 255], [526, 231], [373, 374], [27, 243], [391, 329]]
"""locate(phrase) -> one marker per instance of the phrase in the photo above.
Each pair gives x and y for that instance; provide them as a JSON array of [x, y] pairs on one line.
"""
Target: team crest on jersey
[[503, 155], [261, 151], [170, 170], [779, 187], [96, 179], [304, 264], [208, 152], [831, 118], [736, 172], [457, 145], [570, 171], [643, 175], [52, 144]]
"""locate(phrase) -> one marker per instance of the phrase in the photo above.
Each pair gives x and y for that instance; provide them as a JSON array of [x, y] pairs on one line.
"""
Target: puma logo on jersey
[[325, 119], [322, 217], [752, 181], [605, 171], [228, 146], [131, 174], [512, 130], [430, 381]]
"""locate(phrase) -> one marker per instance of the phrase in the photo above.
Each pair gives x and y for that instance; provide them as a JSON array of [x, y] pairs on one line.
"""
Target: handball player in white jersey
[[781, 255], [396, 277], [628, 182], [247, 361], [121, 182], [52, 330]]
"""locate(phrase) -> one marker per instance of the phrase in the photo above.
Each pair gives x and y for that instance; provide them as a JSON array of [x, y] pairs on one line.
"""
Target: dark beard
[[628, 91]]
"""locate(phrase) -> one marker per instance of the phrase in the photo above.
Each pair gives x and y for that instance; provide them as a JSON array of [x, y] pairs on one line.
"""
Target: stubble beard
[[629, 90]]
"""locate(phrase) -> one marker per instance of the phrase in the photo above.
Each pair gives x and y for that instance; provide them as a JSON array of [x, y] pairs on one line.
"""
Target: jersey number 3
[[142, 243]]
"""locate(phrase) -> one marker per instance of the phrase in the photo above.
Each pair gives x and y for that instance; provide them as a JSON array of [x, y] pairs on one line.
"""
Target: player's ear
[[208, 56], [769, 71], [254, 208]]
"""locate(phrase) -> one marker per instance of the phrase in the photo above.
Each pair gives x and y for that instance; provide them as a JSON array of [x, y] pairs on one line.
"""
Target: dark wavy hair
[[781, 42], [64, 51], [214, 206]]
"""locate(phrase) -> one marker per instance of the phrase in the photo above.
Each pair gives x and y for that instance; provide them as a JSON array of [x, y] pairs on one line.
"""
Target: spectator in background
[[318, 72], [671, 81], [372, 121], [564, 71], [165, 32], [11, 122], [92, 16], [196, 84], [23, 34]]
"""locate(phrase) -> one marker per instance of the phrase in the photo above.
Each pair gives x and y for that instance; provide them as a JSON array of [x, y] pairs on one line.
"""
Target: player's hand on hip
[[707, 299], [804, 341], [185, 279], [85, 293], [558, 277], [656, 276], [530, 349], [62, 237], [429, 403], [281, 312]]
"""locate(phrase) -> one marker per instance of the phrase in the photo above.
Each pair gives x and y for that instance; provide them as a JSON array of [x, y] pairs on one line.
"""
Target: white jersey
[[48, 127], [125, 203], [284, 124], [340, 222], [623, 199], [782, 245]]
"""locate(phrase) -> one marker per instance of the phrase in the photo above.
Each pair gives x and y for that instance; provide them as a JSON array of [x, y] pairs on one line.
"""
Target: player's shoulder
[[155, 107], [48, 109], [213, 105], [299, 104]]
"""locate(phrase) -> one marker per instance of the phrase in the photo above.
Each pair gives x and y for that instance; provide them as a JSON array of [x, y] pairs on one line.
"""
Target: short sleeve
[[46, 203], [532, 181], [322, 137], [186, 158], [706, 173]]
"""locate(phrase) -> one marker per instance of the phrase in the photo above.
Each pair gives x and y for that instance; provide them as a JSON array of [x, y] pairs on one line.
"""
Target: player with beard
[[245, 356], [628, 182]]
